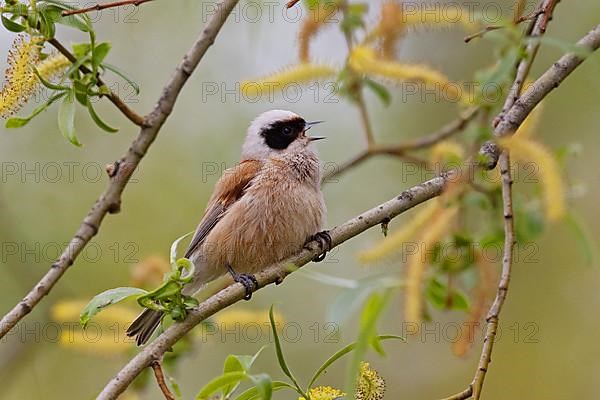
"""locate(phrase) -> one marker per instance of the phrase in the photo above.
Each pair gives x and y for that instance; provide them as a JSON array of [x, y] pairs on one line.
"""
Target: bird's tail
[[144, 325]]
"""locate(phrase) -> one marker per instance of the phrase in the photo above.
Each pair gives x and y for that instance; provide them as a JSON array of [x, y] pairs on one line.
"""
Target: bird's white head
[[276, 132]]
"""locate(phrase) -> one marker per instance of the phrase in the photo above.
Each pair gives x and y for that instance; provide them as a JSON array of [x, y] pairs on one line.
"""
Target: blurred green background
[[548, 348]]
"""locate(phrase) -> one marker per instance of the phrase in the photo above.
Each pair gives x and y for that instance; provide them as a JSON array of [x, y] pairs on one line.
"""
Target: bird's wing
[[228, 189]]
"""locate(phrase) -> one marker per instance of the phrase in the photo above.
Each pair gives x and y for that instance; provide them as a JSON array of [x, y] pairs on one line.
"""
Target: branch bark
[[274, 273], [110, 200], [99, 7], [160, 379], [400, 150]]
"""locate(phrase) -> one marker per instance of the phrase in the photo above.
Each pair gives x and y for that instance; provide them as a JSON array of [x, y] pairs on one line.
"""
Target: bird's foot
[[249, 281], [325, 244]]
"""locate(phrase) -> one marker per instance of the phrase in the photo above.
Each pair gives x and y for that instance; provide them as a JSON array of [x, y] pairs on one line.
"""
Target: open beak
[[309, 125]]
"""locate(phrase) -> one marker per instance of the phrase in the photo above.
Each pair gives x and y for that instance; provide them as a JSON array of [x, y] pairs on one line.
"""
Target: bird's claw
[[325, 244], [247, 280]]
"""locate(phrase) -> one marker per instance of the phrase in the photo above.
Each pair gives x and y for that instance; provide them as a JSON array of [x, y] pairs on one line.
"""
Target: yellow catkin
[[317, 18], [482, 296], [526, 150], [447, 150], [96, 342], [531, 123], [69, 310], [19, 74], [324, 393], [364, 60], [370, 385], [294, 75], [416, 262], [390, 28], [393, 243], [150, 272]]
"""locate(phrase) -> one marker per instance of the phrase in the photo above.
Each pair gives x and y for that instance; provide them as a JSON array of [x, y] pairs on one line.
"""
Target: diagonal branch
[[110, 200], [273, 274], [400, 150], [98, 7]]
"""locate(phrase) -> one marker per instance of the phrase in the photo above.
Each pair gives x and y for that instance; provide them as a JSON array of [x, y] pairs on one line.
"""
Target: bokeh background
[[549, 345]]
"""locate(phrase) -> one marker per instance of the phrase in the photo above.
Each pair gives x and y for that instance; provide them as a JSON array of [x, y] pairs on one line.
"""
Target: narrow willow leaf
[[342, 352], [237, 363], [366, 335], [280, 356], [262, 382], [123, 75], [105, 299], [100, 52], [101, 124], [17, 122], [66, 118], [220, 382], [380, 91], [254, 394], [173, 252], [12, 25]]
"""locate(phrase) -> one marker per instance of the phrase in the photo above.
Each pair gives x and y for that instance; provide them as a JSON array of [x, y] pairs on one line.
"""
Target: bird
[[264, 209]]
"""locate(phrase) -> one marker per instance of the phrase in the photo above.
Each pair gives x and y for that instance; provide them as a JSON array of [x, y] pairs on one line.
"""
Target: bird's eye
[[287, 130]]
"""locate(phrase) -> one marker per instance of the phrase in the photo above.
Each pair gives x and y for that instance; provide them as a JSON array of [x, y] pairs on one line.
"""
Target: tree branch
[[160, 379], [99, 7], [400, 150], [116, 100], [110, 200]]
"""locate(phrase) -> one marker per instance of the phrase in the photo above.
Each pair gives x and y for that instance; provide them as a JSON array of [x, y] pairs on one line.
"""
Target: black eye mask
[[280, 134]]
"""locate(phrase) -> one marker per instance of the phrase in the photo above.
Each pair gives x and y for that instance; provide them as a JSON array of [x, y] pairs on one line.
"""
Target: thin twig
[[536, 28], [116, 100], [99, 7], [110, 200], [400, 150], [160, 379]]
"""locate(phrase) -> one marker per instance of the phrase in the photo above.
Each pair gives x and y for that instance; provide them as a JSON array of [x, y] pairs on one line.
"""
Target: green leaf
[[380, 91], [12, 25], [583, 238], [173, 252], [48, 84], [81, 49], [367, 335], [101, 124], [17, 122], [443, 298], [100, 52], [342, 352], [220, 382], [262, 382], [254, 394], [236, 363], [66, 118], [280, 356], [105, 299], [73, 21], [123, 75]]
